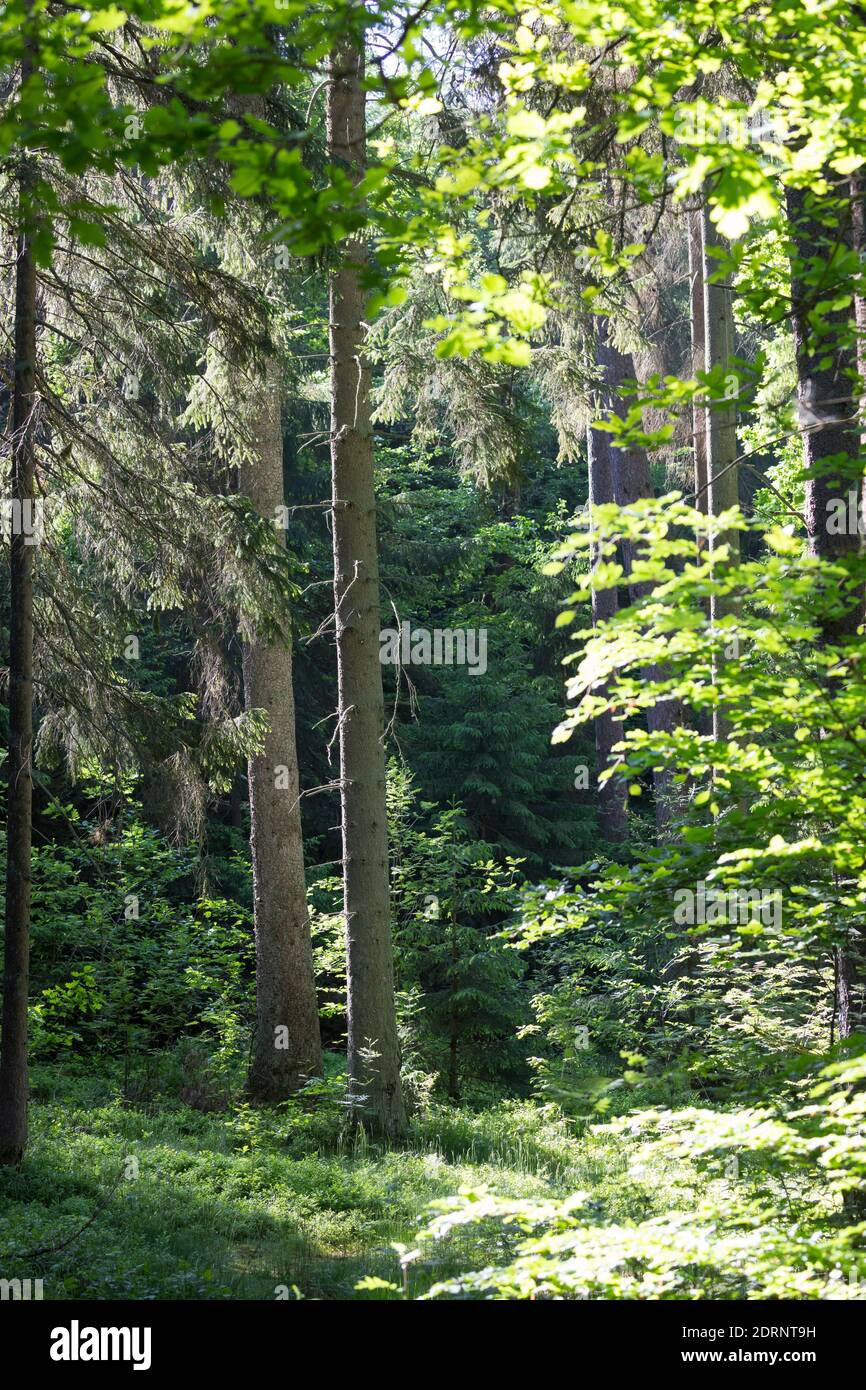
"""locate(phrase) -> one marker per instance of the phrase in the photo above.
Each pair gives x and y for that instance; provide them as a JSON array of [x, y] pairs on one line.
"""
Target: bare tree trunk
[[16, 969], [612, 810], [858, 224], [720, 422], [858, 230], [376, 1094], [632, 480], [453, 1059], [699, 413], [236, 803], [826, 393], [696, 301], [827, 364], [287, 1048], [844, 989]]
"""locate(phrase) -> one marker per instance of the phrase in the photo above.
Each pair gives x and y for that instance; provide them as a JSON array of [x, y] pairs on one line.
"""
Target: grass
[[255, 1204], [127, 1192]]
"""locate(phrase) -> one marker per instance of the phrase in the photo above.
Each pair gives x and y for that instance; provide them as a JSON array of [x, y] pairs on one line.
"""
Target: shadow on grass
[[191, 1217]]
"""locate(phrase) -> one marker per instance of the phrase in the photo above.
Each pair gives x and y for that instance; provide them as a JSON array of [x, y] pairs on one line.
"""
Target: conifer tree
[[373, 1049], [23, 425]]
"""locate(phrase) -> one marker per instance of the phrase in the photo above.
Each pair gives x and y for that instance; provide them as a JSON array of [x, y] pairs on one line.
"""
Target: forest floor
[[255, 1204]]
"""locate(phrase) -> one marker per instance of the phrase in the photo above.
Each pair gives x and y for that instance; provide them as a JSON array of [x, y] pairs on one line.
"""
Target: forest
[[433, 650]]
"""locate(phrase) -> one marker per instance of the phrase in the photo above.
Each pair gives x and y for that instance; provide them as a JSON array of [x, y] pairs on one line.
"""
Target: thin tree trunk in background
[[453, 1063], [844, 990], [236, 803], [698, 335], [630, 470], [699, 414], [858, 231], [612, 808], [375, 1091], [829, 416], [827, 397], [858, 227], [16, 968], [720, 422], [454, 1022], [287, 1048], [631, 480]]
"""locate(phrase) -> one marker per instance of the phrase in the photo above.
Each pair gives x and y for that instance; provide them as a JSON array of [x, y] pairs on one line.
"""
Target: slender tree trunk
[[720, 422], [632, 480], [827, 393], [858, 229], [236, 803], [13, 1049], [454, 1022], [858, 223], [373, 1051], [453, 1059], [699, 413], [699, 360], [844, 989], [287, 1048], [612, 811]]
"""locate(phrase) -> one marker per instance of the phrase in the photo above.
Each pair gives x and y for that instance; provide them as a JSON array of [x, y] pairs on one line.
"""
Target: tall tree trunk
[[286, 1048], [376, 1095], [858, 231], [844, 990], [632, 480], [454, 1057], [13, 1048], [454, 1022], [612, 811], [697, 312], [826, 388], [699, 360], [827, 393], [720, 422]]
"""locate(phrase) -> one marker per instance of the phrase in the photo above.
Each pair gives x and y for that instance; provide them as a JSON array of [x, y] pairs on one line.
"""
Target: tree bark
[[287, 1048], [236, 803], [844, 989], [699, 413], [827, 377], [826, 391], [858, 230], [375, 1092], [698, 334], [453, 1059], [720, 424], [632, 480], [16, 967], [612, 809]]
